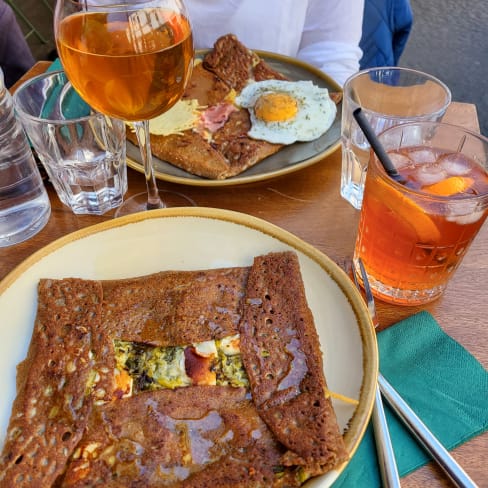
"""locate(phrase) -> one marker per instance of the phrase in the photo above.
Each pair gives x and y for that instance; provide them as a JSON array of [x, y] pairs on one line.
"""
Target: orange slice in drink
[[449, 186], [409, 211]]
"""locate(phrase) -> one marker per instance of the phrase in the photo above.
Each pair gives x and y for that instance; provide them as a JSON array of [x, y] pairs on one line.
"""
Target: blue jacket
[[386, 28]]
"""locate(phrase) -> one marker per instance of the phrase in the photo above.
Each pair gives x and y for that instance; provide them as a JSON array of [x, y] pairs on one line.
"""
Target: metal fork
[[420, 431], [384, 448]]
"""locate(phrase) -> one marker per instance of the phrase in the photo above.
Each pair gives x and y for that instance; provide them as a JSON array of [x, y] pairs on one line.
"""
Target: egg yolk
[[275, 107]]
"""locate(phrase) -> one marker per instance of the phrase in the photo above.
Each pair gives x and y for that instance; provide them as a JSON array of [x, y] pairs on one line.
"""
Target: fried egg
[[283, 112]]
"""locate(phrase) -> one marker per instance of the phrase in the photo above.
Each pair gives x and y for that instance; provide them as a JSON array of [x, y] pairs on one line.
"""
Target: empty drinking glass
[[387, 96], [82, 150]]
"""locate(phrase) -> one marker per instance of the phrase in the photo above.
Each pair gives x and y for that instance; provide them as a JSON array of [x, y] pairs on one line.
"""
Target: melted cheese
[[184, 115], [342, 398], [206, 349]]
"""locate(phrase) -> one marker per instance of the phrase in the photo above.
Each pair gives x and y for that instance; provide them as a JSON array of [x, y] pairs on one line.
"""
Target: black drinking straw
[[378, 149]]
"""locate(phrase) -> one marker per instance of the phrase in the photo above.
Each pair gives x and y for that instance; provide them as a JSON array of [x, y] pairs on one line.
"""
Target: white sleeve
[[331, 36]]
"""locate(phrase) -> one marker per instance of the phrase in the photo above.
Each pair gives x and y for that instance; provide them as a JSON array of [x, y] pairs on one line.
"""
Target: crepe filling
[[142, 367]]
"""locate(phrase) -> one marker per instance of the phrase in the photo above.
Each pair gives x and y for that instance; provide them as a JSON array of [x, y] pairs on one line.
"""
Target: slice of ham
[[215, 117]]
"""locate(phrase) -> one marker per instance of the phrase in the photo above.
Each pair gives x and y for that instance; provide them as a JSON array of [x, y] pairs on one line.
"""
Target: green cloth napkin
[[441, 381]]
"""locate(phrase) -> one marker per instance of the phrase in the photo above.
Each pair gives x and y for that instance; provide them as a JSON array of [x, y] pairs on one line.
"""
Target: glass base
[[399, 296], [138, 202], [353, 193], [24, 221]]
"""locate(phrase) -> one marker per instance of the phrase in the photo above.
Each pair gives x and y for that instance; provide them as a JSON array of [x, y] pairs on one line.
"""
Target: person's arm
[[15, 55], [331, 36]]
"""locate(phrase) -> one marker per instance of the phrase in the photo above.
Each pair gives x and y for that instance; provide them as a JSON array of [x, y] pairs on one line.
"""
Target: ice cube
[[455, 164], [428, 174], [466, 212], [400, 161], [424, 155]]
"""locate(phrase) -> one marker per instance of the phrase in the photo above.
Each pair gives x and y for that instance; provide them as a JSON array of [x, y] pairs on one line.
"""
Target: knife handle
[[438, 452], [384, 449]]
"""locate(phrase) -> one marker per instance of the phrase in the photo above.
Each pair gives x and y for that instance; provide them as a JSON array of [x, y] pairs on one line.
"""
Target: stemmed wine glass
[[129, 59]]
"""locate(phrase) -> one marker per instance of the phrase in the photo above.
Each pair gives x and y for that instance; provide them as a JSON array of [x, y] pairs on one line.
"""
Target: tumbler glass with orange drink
[[413, 236]]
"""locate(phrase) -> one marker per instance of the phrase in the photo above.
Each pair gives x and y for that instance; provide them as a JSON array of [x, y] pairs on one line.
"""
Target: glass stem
[[143, 138]]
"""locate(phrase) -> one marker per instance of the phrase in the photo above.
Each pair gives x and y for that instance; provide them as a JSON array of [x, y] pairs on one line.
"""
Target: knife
[[424, 436], [384, 449], [420, 431]]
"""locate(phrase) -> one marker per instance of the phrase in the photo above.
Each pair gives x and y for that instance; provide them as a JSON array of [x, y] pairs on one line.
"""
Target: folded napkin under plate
[[441, 381]]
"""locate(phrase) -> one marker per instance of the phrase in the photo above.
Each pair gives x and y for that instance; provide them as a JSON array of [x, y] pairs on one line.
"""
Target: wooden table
[[308, 204]]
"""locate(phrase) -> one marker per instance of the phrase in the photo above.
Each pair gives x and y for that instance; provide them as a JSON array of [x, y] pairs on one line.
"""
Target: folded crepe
[[181, 378]]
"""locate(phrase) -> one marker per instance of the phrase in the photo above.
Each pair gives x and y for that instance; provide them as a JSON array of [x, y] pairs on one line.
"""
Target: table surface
[[308, 204]]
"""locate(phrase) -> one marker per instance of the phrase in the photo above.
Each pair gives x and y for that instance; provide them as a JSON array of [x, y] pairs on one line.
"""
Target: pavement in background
[[449, 39]]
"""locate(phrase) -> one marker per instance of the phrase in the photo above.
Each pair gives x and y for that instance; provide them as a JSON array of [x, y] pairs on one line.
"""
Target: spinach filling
[[153, 367]]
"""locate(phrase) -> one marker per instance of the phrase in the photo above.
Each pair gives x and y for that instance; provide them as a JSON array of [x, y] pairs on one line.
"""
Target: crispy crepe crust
[[175, 307], [203, 436], [205, 87], [235, 64], [231, 61], [51, 409], [230, 153], [188, 151], [69, 429], [281, 353]]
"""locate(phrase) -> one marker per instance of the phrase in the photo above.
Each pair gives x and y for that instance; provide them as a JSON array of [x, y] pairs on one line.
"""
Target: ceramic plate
[[199, 238], [289, 159]]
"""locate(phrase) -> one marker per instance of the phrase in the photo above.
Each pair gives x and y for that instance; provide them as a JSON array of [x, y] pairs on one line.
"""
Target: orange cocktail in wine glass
[[129, 59]]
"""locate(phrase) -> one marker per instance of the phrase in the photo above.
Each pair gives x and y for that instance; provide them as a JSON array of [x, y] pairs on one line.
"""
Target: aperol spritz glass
[[129, 59]]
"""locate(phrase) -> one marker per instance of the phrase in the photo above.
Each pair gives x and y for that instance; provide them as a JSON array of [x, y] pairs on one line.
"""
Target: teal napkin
[[442, 382], [56, 65], [72, 105]]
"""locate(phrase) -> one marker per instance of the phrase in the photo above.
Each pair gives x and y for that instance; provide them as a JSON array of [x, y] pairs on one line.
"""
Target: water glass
[[83, 151], [24, 203], [388, 96]]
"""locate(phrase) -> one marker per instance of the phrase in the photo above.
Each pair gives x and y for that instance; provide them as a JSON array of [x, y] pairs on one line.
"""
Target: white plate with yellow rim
[[289, 159], [201, 238]]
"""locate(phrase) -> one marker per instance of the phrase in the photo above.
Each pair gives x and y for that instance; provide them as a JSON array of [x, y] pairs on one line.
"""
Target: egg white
[[316, 111]]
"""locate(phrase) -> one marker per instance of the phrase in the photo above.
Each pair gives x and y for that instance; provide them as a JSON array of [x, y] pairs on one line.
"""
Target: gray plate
[[290, 158]]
